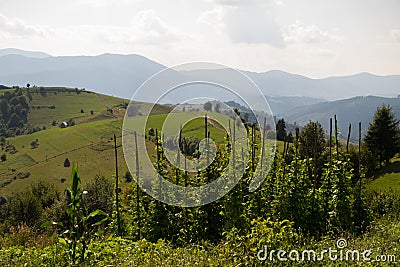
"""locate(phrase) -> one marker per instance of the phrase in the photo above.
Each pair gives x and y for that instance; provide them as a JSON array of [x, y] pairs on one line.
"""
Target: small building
[[64, 124]]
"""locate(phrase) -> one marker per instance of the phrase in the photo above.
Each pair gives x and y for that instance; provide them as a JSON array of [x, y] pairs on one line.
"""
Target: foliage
[[28, 207], [100, 194], [312, 142], [207, 106], [383, 136], [14, 109], [81, 225], [281, 130]]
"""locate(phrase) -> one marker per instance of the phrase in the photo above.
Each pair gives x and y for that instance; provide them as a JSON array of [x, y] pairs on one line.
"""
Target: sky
[[314, 38]]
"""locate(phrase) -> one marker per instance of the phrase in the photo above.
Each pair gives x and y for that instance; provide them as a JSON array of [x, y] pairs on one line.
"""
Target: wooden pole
[[117, 187], [348, 139], [336, 139], [359, 153], [263, 146], [137, 187], [158, 165], [253, 151], [234, 150], [330, 140]]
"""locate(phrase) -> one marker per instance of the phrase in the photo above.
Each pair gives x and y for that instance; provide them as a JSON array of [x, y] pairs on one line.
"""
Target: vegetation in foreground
[[313, 196]]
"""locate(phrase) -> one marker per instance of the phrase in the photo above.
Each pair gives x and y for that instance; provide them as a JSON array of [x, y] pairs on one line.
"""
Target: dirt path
[[215, 125], [118, 116]]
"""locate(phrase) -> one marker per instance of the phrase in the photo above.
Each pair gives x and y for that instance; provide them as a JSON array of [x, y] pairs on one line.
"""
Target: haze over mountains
[[295, 97]]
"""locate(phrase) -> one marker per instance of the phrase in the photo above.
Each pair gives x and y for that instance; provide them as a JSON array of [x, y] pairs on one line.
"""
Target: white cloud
[[302, 33], [212, 17], [17, 27], [245, 22], [395, 34], [146, 28]]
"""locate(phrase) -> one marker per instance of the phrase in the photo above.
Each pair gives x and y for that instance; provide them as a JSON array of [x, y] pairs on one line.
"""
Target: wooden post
[[158, 165], [253, 152], [117, 187], [205, 126], [178, 157], [348, 139], [359, 153], [137, 187], [234, 150], [297, 142], [330, 140], [263, 146], [336, 137]]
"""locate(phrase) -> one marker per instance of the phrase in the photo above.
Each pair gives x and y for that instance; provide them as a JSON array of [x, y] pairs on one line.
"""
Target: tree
[[382, 138], [281, 130], [43, 91], [128, 177], [34, 144], [217, 108], [207, 106], [312, 142], [100, 194], [3, 157]]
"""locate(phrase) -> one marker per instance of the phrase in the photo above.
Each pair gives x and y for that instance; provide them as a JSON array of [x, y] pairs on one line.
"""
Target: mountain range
[[295, 97]]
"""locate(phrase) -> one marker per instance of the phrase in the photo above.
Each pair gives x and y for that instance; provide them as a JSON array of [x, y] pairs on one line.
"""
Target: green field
[[89, 142], [388, 177]]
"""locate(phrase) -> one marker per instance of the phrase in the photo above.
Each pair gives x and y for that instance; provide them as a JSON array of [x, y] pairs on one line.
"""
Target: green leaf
[[62, 241], [97, 212], [45, 224]]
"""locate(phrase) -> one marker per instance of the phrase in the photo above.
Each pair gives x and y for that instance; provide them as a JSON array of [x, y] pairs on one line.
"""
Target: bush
[[34, 144], [100, 194]]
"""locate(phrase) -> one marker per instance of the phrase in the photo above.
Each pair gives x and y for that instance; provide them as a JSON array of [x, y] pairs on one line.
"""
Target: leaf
[[62, 241], [45, 224], [100, 222], [95, 213]]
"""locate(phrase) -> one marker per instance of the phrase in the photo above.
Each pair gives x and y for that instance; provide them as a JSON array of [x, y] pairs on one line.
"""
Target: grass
[[78, 143], [67, 104], [89, 142], [388, 177]]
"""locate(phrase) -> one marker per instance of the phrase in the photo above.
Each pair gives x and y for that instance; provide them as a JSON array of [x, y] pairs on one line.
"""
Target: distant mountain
[[121, 75], [280, 105], [352, 110], [14, 51], [116, 75], [280, 83]]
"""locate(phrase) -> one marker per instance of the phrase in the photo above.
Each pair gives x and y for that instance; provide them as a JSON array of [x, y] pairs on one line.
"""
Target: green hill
[[41, 155], [97, 118]]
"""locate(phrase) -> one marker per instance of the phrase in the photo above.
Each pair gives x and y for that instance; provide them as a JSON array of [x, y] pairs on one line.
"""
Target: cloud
[[302, 33], [212, 17], [16, 27], [395, 34], [146, 28], [247, 22]]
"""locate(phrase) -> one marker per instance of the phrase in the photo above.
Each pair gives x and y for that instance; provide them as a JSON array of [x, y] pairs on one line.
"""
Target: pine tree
[[382, 138], [312, 142], [281, 130]]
